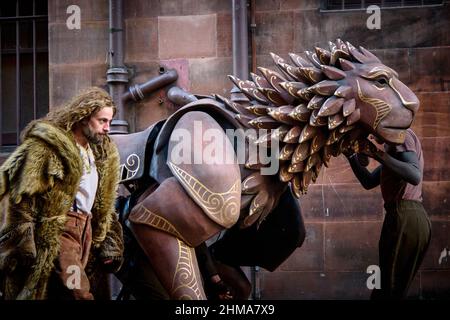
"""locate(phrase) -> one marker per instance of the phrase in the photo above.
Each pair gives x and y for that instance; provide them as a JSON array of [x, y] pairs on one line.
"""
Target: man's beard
[[91, 136]]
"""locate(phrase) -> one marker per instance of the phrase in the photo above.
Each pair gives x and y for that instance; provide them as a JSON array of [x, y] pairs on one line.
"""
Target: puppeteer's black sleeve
[[404, 164], [205, 261], [368, 180]]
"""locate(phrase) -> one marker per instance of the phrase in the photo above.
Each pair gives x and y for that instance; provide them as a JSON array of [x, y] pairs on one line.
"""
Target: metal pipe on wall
[[240, 46], [253, 34], [117, 74], [179, 96], [240, 39], [138, 92]]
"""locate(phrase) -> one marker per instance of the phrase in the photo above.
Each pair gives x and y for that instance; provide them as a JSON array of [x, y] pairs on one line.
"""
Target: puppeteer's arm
[[406, 165], [368, 180], [207, 266]]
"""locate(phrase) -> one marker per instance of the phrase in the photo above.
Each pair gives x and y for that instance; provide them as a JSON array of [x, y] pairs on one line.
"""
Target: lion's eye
[[382, 82]]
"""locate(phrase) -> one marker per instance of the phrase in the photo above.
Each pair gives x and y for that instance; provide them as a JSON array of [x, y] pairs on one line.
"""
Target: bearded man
[[59, 234]]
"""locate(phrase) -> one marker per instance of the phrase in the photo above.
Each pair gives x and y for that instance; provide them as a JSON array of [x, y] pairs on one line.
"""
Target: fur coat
[[38, 184]]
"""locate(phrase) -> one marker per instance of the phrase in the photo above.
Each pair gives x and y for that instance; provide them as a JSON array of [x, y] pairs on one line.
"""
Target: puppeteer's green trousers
[[404, 240]]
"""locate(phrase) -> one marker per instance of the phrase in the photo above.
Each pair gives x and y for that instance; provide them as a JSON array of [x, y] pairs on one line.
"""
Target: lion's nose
[[413, 105], [409, 99]]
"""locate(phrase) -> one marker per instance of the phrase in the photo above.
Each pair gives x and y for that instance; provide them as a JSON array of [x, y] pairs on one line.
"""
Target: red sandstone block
[[146, 8], [344, 202], [193, 7], [427, 69], [436, 198], [224, 35], [435, 284], [431, 124], [209, 75], [313, 28], [206, 6], [438, 253], [436, 151], [438, 102], [89, 10], [142, 8], [267, 5], [172, 8], [182, 68], [339, 171], [411, 27], [187, 36], [79, 77], [351, 246], [151, 110], [141, 39], [401, 28], [309, 257], [311, 204], [341, 202], [299, 5], [266, 61], [274, 32], [315, 285], [433, 116], [87, 45], [397, 59]]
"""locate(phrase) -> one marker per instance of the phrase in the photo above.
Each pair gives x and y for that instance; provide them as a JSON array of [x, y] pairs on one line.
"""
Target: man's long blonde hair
[[80, 107]]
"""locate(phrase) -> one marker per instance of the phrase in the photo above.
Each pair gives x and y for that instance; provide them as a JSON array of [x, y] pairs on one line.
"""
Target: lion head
[[319, 105]]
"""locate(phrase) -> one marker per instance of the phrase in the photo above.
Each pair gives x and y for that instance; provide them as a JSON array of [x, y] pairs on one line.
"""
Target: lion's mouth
[[394, 135], [400, 125], [397, 128]]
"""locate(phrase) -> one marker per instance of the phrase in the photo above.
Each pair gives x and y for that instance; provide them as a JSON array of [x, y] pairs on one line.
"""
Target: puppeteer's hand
[[219, 289], [112, 264], [365, 147]]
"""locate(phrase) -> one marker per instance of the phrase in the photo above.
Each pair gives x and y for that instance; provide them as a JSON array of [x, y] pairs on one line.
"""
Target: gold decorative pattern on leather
[[222, 208], [185, 278], [291, 90], [382, 108], [255, 93], [145, 216], [246, 181], [272, 81]]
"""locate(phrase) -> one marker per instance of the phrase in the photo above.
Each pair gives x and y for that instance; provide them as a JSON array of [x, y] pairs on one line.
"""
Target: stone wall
[[343, 220]]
